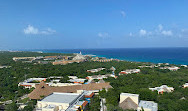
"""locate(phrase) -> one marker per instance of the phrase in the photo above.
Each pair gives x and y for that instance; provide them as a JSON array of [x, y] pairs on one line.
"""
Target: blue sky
[[59, 24]]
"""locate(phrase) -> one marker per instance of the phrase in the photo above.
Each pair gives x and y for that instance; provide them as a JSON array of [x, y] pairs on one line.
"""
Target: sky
[[74, 24]]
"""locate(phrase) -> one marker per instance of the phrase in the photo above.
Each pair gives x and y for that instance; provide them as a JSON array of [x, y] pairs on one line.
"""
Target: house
[[183, 65], [62, 101], [185, 85], [31, 82], [128, 101], [23, 58], [172, 68], [162, 89], [78, 80], [147, 106], [4, 67], [129, 71], [96, 77], [44, 90], [95, 70]]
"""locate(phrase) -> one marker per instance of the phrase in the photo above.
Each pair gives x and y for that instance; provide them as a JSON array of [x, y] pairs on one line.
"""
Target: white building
[[162, 89], [185, 85], [31, 82], [129, 71], [95, 70], [172, 68], [131, 102], [61, 102], [79, 56], [184, 65], [147, 106]]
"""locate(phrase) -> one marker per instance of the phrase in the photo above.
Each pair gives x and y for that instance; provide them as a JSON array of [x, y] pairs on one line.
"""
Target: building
[[95, 70], [183, 65], [185, 85], [61, 102], [79, 56], [64, 62], [44, 90], [78, 80], [23, 58], [162, 89], [4, 67], [128, 101], [172, 68], [129, 71], [147, 106], [31, 82]]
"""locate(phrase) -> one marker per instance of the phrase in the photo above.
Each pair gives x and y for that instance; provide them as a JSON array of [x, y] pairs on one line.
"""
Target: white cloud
[[142, 32], [123, 13], [103, 34], [32, 30], [167, 33]]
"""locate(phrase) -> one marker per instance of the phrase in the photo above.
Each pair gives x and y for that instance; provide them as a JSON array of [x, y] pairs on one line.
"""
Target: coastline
[[153, 55]]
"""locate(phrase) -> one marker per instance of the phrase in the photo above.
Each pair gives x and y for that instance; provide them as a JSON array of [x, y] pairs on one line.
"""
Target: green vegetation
[[133, 83]]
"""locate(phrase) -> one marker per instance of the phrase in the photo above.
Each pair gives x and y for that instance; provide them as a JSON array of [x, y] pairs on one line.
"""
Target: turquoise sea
[[155, 55]]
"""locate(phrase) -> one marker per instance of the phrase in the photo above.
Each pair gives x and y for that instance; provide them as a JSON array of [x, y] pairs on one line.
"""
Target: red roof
[[85, 103], [89, 96]]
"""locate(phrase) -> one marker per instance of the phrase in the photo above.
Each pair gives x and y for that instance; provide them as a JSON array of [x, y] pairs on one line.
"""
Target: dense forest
[[133, 83]]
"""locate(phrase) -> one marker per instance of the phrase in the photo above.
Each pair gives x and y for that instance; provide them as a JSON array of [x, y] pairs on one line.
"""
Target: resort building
[[62, 102], [4, 67], [44, 90], [183, 65], [64, 62], [95, 70], [162, 89], [23, 58], [31, 82], [172, 68], [147, 106], [129, 101], [79, 56], [185, 85], [129, 71], [78, 80]]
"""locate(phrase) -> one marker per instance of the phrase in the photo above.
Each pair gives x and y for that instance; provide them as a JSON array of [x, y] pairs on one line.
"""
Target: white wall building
[[147, 106], [161, 89], [61, 102]]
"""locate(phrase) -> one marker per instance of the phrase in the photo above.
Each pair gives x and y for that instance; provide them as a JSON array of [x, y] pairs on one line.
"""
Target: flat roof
[[149, 104], [61, 97]]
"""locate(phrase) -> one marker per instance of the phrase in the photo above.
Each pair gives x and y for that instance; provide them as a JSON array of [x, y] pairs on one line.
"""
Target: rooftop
[[149, 104], [61, 97], [129, 94]]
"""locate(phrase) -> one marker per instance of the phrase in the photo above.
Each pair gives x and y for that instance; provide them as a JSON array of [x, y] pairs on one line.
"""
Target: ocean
[[154, 55]]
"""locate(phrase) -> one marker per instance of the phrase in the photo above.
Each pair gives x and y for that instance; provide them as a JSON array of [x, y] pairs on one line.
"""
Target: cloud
[[123, 13], [103, 34], [32, 30], [142, 32], [167, 33]]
